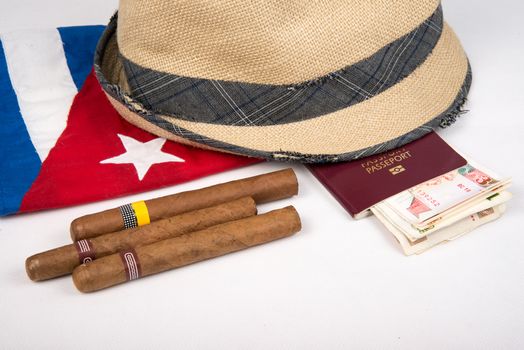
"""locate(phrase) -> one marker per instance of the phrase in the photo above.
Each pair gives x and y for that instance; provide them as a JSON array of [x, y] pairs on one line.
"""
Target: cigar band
[[141, 213], [85, 251], [131, 264], [135, 214]]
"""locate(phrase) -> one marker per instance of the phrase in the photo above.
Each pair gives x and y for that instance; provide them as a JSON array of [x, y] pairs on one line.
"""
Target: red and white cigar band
[[131, 264], [85, 251]]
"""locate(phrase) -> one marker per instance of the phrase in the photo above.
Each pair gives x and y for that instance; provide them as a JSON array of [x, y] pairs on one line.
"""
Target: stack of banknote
[[444, 208]]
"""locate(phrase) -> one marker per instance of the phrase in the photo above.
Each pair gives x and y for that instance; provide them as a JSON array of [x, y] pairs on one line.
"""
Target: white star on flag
[[142, 154]]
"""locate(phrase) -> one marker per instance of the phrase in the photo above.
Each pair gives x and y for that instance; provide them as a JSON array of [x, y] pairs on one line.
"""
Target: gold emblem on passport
[[385, 160], [397, 170]]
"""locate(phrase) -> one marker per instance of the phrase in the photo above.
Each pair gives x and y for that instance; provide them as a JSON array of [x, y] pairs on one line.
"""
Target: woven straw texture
[[261, 41], [416, 100], [429, 94], [410, 103]]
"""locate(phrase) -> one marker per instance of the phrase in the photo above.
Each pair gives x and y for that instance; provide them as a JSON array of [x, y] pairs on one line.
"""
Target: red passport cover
[[362, 183]]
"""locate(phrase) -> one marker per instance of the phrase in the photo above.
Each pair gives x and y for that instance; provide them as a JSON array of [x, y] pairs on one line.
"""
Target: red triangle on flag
[[100, 155]]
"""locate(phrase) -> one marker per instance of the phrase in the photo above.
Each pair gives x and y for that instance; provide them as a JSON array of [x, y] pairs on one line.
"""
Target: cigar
[[262, 188], [186, 249], [62, 261]]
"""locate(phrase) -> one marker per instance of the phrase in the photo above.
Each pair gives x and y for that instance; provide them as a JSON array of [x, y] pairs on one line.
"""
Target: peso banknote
[[451, 232], [413, 233], [425, 204]]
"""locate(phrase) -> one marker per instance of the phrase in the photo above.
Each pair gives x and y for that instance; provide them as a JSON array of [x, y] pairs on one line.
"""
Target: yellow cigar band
[[141, 213]]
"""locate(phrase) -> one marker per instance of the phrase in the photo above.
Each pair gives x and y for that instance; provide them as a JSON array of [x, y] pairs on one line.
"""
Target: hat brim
[[430, 96]]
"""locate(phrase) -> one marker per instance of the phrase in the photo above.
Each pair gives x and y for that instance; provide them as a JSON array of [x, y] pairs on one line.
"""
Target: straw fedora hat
[[309, 81]]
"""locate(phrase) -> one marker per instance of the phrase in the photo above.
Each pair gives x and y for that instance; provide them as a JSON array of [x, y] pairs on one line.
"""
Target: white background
[[339, 283]]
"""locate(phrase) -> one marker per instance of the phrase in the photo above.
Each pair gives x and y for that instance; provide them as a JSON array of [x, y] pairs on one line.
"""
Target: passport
[[362, 183]]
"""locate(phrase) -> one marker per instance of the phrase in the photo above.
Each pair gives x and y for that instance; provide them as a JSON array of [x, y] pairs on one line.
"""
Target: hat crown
[[260, 41]]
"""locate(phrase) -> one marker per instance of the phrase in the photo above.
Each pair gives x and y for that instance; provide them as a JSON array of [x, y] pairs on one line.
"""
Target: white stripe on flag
[[43, 84]]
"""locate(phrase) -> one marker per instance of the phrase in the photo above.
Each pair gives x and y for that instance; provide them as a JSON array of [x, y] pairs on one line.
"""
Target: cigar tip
[[75, 228], [251, 203], [294, 184], [294, 212], [31, 268], [296, 187], [80, 278]]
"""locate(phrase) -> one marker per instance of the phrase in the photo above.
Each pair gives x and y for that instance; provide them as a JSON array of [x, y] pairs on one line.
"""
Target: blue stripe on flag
[[79, 47], [19, 162]]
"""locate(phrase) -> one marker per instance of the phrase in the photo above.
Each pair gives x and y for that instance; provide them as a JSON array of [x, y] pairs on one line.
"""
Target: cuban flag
[[62, 143]]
